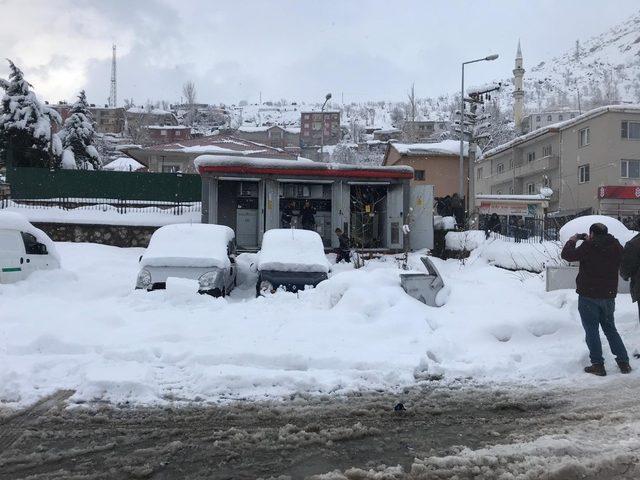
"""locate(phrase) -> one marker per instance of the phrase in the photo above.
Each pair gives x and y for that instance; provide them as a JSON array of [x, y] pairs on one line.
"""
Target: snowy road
[[459, 432]]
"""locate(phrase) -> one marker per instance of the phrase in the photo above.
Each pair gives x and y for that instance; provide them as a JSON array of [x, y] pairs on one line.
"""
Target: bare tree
[[189, 92]]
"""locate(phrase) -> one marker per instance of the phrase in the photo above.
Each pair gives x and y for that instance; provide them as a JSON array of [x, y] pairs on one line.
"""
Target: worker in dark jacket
[[630, 268], [286, 216], [597, 286], [307, 216], [343, 252]]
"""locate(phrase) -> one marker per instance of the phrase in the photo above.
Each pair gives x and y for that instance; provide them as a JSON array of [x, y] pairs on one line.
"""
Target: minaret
[[518, 92]]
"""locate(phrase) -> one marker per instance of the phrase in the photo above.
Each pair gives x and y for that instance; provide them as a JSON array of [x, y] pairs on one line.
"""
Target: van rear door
[[12, 256]]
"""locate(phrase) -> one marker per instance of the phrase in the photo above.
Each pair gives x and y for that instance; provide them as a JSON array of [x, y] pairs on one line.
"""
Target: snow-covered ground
[[85, 328], [106, 214]]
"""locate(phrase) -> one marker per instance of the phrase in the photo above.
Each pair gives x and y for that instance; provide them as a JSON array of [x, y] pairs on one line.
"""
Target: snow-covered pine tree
[[78, 138], [26, 125]]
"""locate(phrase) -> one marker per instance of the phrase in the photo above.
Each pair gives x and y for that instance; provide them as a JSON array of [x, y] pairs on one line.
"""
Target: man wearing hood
[[597, 286]]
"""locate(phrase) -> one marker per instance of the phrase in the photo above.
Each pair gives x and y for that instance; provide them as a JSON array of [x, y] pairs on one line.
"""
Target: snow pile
[[460, 241], [446, 147], [505, 253], [187, 245], [108, 215], [356, 331], [15, 221], [444, 223], [582, 225], [292, 250], [123, 164]]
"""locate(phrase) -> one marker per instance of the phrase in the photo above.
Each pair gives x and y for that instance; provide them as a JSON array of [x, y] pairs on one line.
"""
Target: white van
[[23, 249]]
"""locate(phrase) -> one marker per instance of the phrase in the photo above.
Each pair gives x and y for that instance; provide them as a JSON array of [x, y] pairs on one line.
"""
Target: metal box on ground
[[427, 288], [560, 277]]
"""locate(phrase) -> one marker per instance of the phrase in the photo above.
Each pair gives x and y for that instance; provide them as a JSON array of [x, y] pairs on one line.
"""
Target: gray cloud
[[285, 48]]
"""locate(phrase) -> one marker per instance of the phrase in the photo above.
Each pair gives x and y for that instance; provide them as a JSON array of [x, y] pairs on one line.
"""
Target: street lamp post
[[461, 183], [326, 99]]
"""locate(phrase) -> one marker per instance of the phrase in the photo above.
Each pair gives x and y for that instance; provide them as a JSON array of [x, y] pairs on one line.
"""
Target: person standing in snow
[[287, 215], [343, 252], [457, 209], [493, 225], [597, 286], [307, 216], [630, 267]]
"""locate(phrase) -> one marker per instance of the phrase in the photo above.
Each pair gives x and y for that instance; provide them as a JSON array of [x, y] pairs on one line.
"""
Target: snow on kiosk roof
[[189, 245], [226, 164], [292, 250]]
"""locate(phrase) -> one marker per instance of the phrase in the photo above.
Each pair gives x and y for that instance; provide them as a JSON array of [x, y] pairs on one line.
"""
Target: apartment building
[[591, 162], [538, 120], [287, 138], [312, 125]]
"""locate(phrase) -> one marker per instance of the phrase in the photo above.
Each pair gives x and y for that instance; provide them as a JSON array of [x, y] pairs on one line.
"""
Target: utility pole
[[326, 99], [461, 166], [113, 95]]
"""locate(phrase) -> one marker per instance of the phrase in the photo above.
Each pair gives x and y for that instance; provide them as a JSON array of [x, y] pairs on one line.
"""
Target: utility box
[[428, 288], [561, 277]]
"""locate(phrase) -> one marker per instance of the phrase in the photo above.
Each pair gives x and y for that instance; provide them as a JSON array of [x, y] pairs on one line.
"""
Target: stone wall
[[116, 235]]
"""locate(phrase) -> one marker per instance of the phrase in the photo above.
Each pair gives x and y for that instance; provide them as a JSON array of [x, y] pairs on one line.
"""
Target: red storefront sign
[[619, 191]]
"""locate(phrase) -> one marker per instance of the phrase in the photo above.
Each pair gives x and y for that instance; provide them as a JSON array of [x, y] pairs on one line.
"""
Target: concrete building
[[370, 203], [538, 120], [423, 129], [434, 164], [159, 134], [311, 128], [108, 119], [386, 134], [179, 156], [286, 138], [591, 162]]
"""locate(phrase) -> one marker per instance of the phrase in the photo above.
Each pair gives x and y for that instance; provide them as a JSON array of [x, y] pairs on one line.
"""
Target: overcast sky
[[299, 50]]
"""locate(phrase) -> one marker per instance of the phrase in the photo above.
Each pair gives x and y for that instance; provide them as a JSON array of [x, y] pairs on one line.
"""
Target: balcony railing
[[526, 169]]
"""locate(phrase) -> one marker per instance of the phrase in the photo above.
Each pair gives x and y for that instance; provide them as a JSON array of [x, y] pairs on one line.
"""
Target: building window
[[630, 168], [549, 118], [178, 133], [547, 151], [511, 190], [538, 118], [170, 168], [500, 168], [560, 117], [630, 130], [583, 173], [573, 115], [511, 164], [479, 173], [531, 156], [163, 133], [499, 192], [531, 189], [584, 137], [418, 175]]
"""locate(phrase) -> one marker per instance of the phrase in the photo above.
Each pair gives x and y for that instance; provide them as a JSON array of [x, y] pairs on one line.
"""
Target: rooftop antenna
[[113, 95]]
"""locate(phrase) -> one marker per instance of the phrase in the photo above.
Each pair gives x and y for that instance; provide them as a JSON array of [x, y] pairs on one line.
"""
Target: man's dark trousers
[[595, 313]]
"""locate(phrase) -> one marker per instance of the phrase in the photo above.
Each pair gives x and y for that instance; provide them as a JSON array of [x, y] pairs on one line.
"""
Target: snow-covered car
[[290, 259], [23, 249], [205, 253]]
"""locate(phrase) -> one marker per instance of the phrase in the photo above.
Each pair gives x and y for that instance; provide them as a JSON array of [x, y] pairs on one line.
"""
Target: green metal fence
[[40, 183]]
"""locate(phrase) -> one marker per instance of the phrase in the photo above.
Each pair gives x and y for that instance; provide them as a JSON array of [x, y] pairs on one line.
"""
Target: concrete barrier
[[564, 277]]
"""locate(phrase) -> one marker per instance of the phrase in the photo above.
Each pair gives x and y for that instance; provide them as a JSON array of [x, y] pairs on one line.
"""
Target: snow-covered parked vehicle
[[290, 259], [23, 249], [205, 253]]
